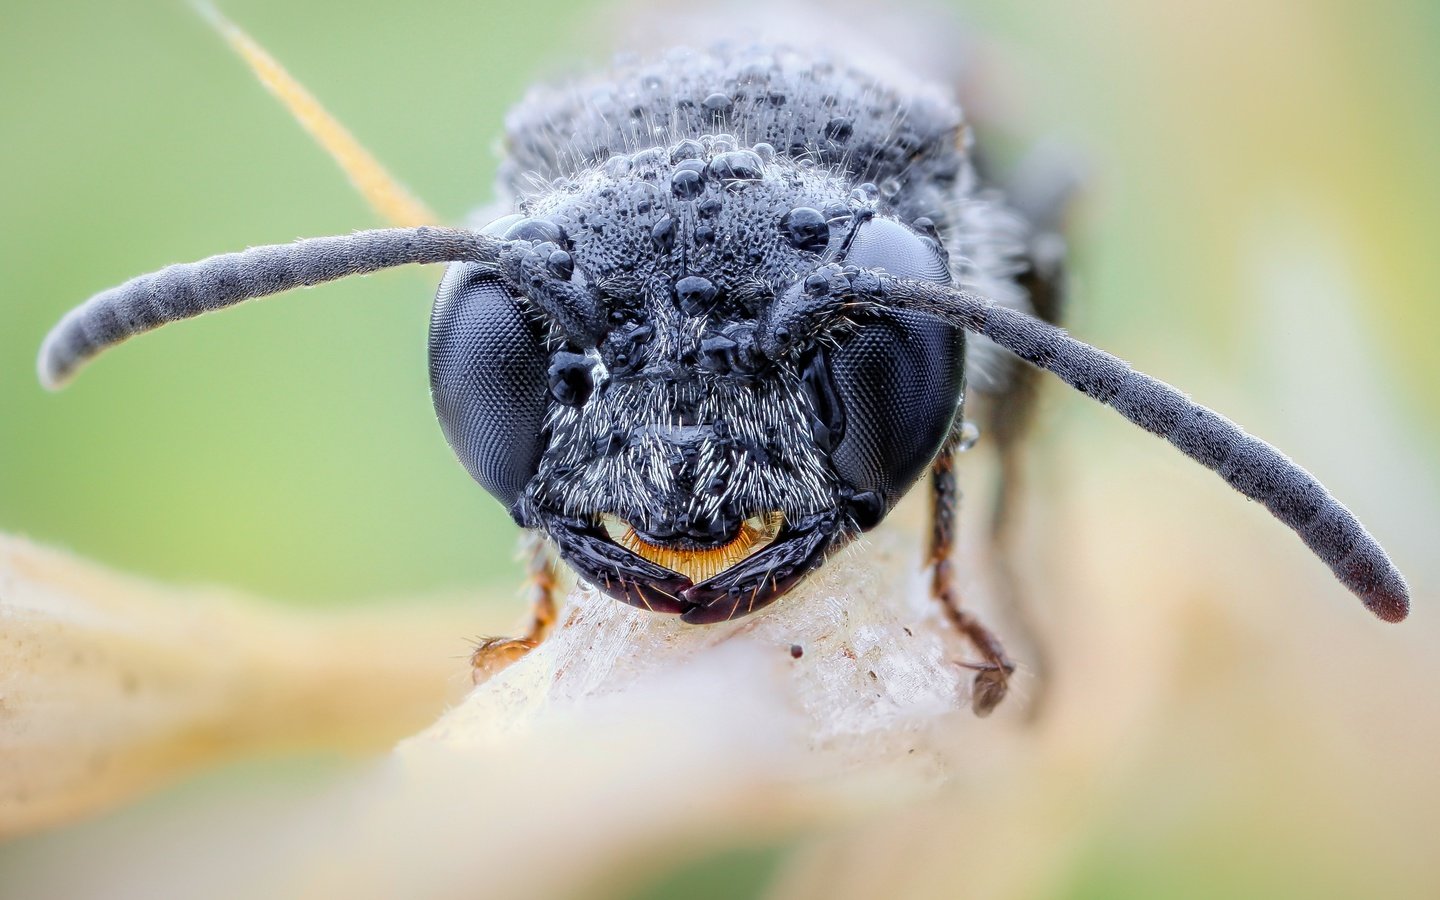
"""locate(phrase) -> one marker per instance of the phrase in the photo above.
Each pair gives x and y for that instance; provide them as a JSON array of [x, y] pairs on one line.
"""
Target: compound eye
[[898, 379], [886, 244], [488, 380]]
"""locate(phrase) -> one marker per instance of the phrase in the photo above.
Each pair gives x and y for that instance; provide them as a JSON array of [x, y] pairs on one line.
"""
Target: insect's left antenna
[[189, 289], [1248, 464]]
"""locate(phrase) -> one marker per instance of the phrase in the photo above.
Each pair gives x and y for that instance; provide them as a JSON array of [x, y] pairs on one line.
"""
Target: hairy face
[[662, 430], [703, 367], [687, 433]]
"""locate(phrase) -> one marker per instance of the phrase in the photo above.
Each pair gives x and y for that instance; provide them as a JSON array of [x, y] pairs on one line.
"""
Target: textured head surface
[[684, 248], [668, 211]]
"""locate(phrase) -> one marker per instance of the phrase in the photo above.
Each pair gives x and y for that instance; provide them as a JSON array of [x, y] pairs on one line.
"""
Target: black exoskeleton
[[724, 331]]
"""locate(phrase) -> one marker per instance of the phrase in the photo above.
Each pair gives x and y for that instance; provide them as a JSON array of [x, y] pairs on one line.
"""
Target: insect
[[732, 317]]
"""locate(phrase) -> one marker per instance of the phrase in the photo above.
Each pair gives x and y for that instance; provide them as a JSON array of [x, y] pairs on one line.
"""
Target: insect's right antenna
[[1248, 464], [189, 289]]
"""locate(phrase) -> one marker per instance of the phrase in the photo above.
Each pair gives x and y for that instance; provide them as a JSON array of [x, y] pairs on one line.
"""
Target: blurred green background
[[1262, 228], [289, 447]]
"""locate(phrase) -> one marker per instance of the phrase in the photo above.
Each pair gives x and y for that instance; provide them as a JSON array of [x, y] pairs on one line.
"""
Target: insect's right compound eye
[[898, 380], [488, 380]]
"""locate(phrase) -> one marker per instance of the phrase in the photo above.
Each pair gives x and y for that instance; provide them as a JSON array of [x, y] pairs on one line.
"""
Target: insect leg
[[992, 677], [1006, 420], [1043, 191], [494, 654]]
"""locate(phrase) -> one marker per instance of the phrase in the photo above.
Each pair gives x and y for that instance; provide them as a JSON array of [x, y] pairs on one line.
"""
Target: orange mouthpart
[[700, 565]]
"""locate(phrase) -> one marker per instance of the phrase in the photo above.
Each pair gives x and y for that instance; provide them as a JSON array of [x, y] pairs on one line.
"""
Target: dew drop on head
[[969, 436]]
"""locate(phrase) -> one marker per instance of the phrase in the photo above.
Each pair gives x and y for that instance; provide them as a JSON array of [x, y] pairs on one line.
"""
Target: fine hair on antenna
[[733, 305], [1248, 464], [189, 289]]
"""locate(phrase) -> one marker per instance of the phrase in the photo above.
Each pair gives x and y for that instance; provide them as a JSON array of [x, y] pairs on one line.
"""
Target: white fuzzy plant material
[[852, 665]]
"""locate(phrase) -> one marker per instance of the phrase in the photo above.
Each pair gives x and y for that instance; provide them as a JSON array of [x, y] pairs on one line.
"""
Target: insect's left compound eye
[[488, 380], [898, 380], [888, 245]]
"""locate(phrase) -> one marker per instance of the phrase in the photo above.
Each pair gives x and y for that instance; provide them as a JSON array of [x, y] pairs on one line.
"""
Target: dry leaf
[[112, 686]]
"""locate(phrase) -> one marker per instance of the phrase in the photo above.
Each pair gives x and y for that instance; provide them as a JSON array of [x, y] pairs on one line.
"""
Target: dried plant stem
[[111, 686]]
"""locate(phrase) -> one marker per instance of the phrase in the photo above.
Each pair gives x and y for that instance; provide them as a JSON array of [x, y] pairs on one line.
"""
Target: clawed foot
[[992, 674], [493, 655], [990, 685]]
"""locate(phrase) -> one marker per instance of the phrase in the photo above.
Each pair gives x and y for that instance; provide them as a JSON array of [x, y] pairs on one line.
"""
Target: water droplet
[[717, 104], [617, 166], [687, 184], [737, 165], [686, 149], [562, 264], [839, 129], [716, 353], [569, 378], [695, 294], [663, 234], [648, 159], [537, 230], [865, 193], [500, 226], [969, 434], [817, 285], [765, 151], [805, 229]]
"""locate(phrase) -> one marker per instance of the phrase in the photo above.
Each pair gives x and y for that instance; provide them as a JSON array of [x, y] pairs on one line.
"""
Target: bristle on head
[[186, 290]]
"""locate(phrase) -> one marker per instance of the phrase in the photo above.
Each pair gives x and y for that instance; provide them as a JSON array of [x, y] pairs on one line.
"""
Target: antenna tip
[[1375, 580], [1390, 606], [52, 376]]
